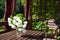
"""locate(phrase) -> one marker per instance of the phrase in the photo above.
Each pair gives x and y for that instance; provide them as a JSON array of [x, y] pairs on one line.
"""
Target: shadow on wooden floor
[[37, 37]]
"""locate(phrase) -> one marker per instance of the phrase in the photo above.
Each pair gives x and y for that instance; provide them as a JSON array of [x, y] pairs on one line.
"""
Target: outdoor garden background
[[38, 13]]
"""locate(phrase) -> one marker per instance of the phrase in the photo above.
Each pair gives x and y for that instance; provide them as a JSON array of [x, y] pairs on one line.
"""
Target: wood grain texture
[[29, 35]]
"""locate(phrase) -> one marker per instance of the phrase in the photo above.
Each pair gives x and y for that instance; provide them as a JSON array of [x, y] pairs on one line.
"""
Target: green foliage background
[[2, 6], [51, 9], [37, 8]]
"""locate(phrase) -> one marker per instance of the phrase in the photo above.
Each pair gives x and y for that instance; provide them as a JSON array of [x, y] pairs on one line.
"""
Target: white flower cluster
[[16, 23]]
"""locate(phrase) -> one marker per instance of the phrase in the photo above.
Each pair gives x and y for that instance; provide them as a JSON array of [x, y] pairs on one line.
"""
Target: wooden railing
[[9, 10]]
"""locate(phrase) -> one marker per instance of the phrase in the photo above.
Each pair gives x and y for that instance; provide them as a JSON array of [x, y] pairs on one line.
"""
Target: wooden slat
[[12, 35], [31, 32], [3, 23], [7, 35], [35, 35]]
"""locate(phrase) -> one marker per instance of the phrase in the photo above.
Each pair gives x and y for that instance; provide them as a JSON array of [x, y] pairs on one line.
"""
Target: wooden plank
[[12, 35], [3, 23], [7, 35], [31, 32], [34, 33]]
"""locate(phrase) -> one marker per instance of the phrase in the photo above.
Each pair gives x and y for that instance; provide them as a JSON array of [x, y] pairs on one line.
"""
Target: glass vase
[[18, 33]]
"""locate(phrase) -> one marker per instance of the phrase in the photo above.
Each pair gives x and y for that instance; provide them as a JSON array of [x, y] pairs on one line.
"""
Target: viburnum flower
[[25, 22], [17, 23], [14, 17], [14, 22], [13, 26], [24, 26], [18, 19], [9, 20]]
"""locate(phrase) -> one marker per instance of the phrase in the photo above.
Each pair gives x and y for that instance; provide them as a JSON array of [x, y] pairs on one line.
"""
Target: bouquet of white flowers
[[16, 23]]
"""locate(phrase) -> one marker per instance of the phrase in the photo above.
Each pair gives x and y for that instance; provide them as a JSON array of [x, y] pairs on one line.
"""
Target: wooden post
[[9, 10], [27, 13], [13, 6]]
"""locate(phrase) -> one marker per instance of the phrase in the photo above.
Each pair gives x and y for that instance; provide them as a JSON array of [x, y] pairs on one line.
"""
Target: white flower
[[25, 22], [20, 29], [9, 24], [9, 19], [18, 19], [24, 30], [13, 26], [17, 24], [14, 22], [20, 26], [24, 26], [14, 17]]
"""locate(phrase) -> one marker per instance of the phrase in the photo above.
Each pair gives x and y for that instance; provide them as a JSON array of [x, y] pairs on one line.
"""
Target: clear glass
[[18, 33]]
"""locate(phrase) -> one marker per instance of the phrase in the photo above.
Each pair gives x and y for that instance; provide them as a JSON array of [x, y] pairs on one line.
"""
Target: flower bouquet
[[17, 22]]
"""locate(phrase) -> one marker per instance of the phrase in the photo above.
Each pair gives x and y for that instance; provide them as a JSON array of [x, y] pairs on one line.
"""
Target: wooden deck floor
[[29, 35]]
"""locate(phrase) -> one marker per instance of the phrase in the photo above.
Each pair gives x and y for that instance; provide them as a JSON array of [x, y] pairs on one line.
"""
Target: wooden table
[[29, 35]]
